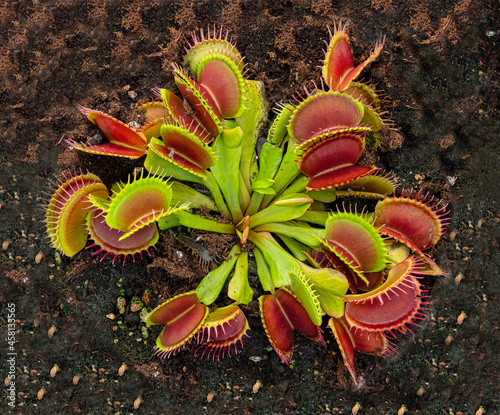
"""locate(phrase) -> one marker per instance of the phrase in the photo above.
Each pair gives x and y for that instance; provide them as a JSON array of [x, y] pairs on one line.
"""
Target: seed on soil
[[210, 397], [41, 393], [420, 392], [458, 278], [5, 244], [461, 317], [137, 402], [122, 369], [54, 371], [7, 381], [76, 379], [111, 316], [402, 410], [38, 258], [51, 331], [480, 411], [356, 408], [257, 386]]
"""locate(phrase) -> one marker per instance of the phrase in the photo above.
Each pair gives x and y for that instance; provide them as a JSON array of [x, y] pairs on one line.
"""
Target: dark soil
[[439, 71]]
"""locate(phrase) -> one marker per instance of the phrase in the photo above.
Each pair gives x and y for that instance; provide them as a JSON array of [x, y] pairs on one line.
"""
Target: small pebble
[[137, 402], [41, 393], [54, 371], [452, 235], [135, 125], [122, 369]]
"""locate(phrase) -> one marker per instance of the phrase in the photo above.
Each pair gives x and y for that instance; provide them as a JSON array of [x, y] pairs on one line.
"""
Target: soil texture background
[[81, 346]]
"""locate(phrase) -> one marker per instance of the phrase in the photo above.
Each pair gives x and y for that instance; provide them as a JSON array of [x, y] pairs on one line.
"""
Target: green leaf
[[251, 122], [264, 191], [280, 262], [284, 209], [295, 247], [210, 287], [226, 175], [304, 234], [239, 288], [191, 220], [183, 193], [263, 186], [168, 222], [286, 173], [269, 161], [263, 271], [232, 134], [298, 186], [325, 196], [316, 217]]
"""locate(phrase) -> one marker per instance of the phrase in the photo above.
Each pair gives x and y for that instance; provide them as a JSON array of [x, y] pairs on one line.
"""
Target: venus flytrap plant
[[359, 269]]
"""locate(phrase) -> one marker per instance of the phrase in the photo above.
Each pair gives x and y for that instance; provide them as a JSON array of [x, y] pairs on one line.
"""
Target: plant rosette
[[361, 270]]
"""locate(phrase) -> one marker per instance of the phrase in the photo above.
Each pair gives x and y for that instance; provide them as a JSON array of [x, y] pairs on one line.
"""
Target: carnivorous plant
[[356, 268]]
